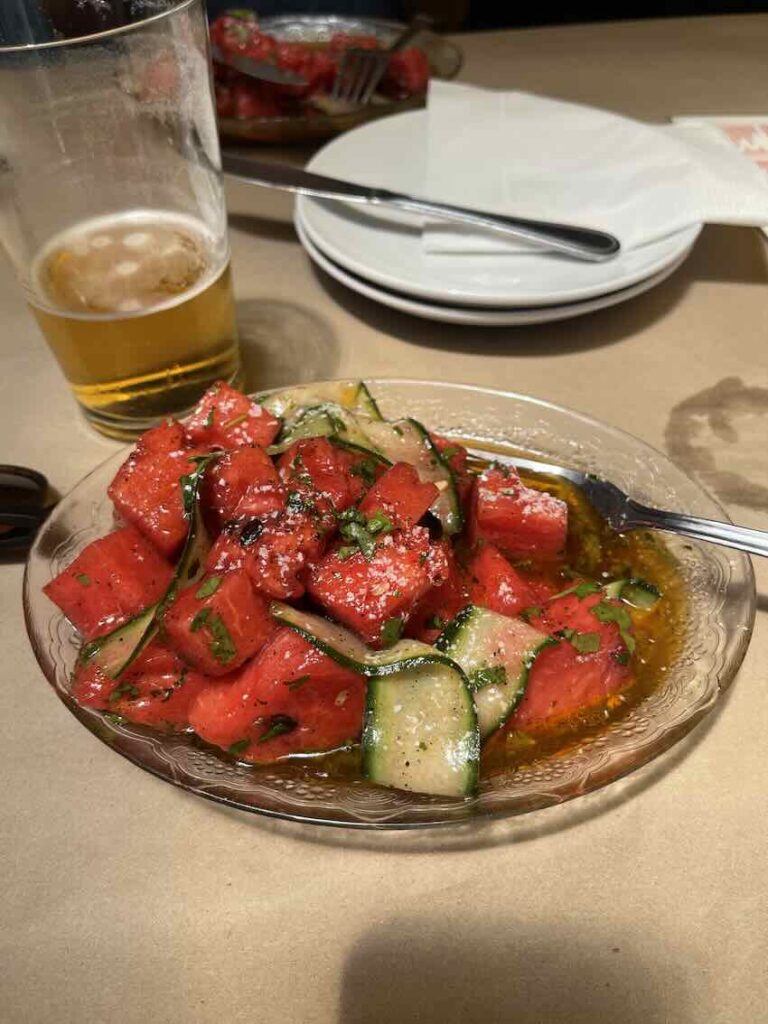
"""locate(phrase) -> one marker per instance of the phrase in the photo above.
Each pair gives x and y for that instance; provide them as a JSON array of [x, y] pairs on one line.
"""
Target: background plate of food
[[312, 46]]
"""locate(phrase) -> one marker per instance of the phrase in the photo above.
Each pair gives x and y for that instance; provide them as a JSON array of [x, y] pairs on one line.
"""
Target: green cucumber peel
[[366, 662]]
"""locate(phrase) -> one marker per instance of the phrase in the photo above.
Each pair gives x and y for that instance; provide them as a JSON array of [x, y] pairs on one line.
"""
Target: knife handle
[[584, 243]]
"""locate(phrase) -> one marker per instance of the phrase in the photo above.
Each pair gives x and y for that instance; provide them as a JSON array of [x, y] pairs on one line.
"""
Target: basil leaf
[[280, 724], [199, 620], [294, 684], [488, 675], [222, 646], [208, 587], [606, 612], [391, 631], [584, 643]]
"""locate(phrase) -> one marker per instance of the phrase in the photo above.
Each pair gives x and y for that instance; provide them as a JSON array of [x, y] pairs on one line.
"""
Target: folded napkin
[[519, 154]]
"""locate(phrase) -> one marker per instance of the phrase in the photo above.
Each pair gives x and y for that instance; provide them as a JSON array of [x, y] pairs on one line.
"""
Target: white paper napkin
[[525, 155]]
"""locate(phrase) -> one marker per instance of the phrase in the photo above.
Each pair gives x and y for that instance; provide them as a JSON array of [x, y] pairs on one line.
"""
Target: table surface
[[125, 900]]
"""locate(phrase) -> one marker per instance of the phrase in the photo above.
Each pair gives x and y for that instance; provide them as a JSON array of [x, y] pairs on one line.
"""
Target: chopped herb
[[581, 590], [488, 675], [622, 657], [366, 470], [397, 593], [435, 622], [222, 646], [360, 536], [238, 748], [280, 724], [607, 612], [379, 523], [83, 579], [115, 719], [209, 418], [354, 527], [391, 631], [199, 620], [345, 552], [422, 745], [448, 453], [251, 532], [209, 587], [585, 643], [531, 613], [235, 421], [294, 684], [297, 503], [123, 690]]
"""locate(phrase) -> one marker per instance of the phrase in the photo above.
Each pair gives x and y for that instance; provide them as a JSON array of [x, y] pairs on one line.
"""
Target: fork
[[360, 70], [624, 513]]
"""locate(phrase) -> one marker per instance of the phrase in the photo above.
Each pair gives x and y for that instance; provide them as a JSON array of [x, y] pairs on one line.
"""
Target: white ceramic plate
[[385, 246], [468, 315]]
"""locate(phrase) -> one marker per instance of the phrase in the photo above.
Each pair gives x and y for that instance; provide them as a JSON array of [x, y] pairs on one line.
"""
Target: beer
[[138, 310]]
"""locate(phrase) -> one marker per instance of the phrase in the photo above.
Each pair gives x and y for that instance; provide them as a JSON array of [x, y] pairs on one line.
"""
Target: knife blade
[[260, 69], [579, 242]]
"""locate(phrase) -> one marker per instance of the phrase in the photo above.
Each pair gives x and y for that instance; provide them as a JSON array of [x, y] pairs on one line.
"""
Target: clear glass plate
[[720, 615], [444, 59]]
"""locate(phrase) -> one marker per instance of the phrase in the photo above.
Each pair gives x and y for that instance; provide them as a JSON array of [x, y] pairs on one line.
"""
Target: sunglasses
[[24, 506]]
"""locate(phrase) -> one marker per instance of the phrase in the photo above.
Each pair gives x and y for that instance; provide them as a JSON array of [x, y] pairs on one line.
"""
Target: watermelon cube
[[241, 484], [495, 584], [441, 603], [227, 418], [562, 683], [217, 624], [314, 464], [290, 699], [157, 689], [109, 582], [146, 490], [400, 496], [375, 597], [519, 520]]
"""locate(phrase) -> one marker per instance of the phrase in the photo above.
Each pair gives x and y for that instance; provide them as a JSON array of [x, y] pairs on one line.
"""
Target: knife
[[260, 69], [582, 243]]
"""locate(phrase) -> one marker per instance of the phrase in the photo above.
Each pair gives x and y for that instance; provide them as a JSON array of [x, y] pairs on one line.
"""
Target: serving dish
[[720, 613], [444, 57]]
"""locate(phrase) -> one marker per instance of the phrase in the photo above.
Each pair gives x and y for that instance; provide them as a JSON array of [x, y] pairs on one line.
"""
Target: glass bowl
[[444, 57], [721, 609]]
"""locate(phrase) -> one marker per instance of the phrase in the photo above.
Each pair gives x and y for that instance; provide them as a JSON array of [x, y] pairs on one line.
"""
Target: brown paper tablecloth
[[124, 900]]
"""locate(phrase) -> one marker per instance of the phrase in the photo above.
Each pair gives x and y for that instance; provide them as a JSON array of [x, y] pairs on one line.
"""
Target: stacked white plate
[[378, 251]]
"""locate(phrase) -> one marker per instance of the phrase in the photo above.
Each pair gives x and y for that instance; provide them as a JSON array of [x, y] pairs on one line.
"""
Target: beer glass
[[111, 202]]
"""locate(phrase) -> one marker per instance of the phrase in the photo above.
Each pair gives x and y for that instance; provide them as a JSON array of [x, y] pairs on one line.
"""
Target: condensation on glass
[[111, 203]]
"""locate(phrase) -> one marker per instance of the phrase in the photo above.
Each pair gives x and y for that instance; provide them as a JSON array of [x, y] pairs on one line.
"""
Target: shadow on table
[[484, 833], [284, 343], [271, 228], [456, 967], [721, 254]]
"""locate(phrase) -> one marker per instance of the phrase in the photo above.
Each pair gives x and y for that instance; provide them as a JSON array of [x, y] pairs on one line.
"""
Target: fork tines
[[360, 71]]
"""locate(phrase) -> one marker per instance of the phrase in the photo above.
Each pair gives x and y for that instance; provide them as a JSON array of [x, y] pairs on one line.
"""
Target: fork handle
[[419, 23], [741, 537]]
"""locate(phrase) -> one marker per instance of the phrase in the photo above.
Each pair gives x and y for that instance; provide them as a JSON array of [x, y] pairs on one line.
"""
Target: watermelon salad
[[238, 34], [297, 575]]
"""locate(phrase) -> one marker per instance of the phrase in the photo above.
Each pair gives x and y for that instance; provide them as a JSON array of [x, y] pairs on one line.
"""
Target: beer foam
[[131, 263]]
